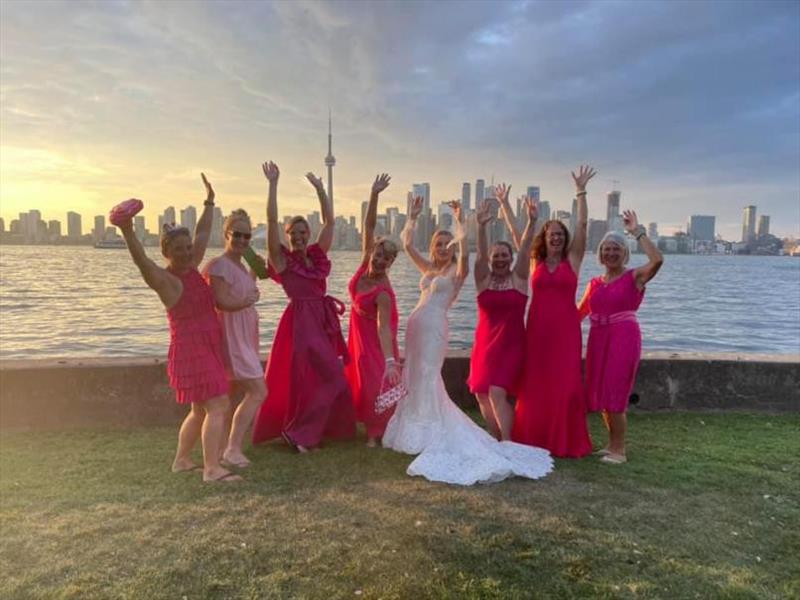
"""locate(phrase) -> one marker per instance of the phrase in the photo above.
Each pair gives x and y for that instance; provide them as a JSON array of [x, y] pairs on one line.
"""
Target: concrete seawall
[[125, 392]]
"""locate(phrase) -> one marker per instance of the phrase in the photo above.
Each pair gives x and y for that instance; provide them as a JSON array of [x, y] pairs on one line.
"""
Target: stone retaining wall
[[125, 392]]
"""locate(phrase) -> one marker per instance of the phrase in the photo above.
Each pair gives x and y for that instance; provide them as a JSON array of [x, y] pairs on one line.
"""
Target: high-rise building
[[763, 226], [169, 217], [99, 231], [74, 229], [573, 216], [2, 225], [564, 217], [37, 229], [391, 216], [612, 208], [189, 218], [652, 231], [700, 229], [422, 190], [544, 211], [465, 193], [53, 230], [749, 224], [479, 192], [217, 228], [330, 161], [445, 216], [138, 227], [595, 232], [533, 192]]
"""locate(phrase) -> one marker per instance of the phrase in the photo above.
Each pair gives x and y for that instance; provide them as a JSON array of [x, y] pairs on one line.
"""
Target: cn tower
[[330, 161]]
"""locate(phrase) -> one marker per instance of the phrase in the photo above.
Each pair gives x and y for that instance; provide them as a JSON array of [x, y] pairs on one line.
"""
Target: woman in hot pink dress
[[615, 342], [236, 293], [372, 339], [498, 353], [551, 408], [195, 365], [308, 394]]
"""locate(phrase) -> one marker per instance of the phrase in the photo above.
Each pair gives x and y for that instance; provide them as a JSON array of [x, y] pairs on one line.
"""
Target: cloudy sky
[[692, 107]]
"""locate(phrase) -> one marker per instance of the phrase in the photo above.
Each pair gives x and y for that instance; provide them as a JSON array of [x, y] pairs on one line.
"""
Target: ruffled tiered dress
[[194, 363], [307, 394]]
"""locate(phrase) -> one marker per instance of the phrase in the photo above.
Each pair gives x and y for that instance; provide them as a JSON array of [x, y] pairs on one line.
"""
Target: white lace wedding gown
[[451, 447]]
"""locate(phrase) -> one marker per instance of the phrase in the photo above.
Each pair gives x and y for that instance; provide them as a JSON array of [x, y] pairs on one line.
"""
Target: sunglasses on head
[[238, 234]]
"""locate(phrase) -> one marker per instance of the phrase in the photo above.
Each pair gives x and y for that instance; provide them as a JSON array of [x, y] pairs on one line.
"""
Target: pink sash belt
[[332, 308], [620, 317]]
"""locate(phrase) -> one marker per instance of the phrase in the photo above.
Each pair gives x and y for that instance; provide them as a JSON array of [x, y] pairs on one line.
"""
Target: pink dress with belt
[[367, 364], [615, 342], [307, 394]]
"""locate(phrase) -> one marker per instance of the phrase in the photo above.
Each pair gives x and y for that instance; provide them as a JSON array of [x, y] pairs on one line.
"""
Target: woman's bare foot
[[185, 466], [220, 475], [235, 458]]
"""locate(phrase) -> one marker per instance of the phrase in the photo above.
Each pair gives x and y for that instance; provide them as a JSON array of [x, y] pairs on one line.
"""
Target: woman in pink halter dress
[[194, 364], [308, 397], [615, 341], [499, 349], [372, 339], [551, 409]]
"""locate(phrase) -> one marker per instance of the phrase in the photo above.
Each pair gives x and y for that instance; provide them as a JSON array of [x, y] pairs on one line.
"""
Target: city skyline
[[128, 112]]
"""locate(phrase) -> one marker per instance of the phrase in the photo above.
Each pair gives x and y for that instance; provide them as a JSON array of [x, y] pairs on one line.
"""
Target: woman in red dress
[[551, 407], [499, 349], [372, 341], [307, 395]]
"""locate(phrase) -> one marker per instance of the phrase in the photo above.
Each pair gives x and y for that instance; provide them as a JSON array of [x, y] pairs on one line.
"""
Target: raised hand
[[501, 192], [455, 205], [585, 173], [316, 182], [631, 221], [209, 190], [532, 207], [416, 207], [484, 214], [271, 171], [381, 183]]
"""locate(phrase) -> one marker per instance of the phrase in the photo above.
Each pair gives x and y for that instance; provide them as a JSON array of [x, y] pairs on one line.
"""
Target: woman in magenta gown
[[551, 410], [615, 341], [195, 361], [502, 292], [307, 395], [372, 341]]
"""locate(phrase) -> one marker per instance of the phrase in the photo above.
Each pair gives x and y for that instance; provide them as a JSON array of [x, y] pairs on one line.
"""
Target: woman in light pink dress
[[615, 342], [236, 293], [194, 364], [372, 339]]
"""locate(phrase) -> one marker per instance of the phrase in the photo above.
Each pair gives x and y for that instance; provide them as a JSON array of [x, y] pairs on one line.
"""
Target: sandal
[[601, 452], [614, 459], [227, 478]]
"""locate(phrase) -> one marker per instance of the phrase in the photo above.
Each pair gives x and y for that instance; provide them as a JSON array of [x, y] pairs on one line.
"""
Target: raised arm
[[407, 235], [501, 192], [202, 231], [578, 246], [483, 216], [325, 237], [647, 271], [368, 226], [167, 286], [276, 258], [462, 267], [522, 266]]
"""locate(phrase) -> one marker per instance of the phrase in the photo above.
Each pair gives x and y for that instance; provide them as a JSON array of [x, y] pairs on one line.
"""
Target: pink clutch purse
[[390, 396], [125, 211]]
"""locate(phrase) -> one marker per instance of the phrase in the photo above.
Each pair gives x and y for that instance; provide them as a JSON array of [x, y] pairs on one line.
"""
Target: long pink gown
[[499, 350], [307, 394], [550, 411], [615, 342], [365, 370], [194, 364]]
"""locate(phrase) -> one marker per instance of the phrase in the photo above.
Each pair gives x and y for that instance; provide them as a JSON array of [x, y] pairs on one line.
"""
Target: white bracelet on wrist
[[390, 361]]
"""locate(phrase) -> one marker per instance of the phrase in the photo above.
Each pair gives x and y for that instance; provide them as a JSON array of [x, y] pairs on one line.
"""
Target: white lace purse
[[390, 396]]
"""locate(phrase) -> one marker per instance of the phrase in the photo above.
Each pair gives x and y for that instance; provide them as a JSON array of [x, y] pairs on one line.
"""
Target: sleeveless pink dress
[[194, 364], [550, 411], [365, 371], [239, 327], [499, 350], [615, 342], [307, 394]]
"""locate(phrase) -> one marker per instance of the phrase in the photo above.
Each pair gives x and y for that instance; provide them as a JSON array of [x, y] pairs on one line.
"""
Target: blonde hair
[[294, 221], [168, 233], [614, 237], [389, 247], [239, 214], [432, 247]]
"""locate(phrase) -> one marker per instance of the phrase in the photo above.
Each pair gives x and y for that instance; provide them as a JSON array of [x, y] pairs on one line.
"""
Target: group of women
[[316, 386]]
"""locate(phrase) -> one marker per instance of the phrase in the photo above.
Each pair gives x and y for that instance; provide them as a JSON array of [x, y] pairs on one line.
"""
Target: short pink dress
[[239, 327], [499, 350], [308, 397], [615, 342], [367, 364], [194, 362]]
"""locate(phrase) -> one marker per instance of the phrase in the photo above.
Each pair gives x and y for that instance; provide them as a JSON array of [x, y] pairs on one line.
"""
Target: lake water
[[58, 301]]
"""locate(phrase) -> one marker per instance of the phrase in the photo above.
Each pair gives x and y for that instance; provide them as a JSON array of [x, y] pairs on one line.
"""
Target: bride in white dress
[[451, 447]]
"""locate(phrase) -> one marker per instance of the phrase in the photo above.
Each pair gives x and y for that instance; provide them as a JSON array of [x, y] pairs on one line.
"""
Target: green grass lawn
[[708, 507]]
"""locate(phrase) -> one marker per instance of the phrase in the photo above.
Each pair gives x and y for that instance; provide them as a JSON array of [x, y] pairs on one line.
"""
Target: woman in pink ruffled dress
[[615, 341], [195, 364], [372, 338], [236, 293], [309, 398]]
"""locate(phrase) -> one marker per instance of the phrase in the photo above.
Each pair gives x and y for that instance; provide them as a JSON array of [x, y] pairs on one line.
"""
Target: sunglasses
[[238, 234]]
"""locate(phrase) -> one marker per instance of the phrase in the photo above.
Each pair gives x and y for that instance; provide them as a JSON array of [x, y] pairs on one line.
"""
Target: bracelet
[[208, 203], [390, 361], [583, 193], [641, 235]]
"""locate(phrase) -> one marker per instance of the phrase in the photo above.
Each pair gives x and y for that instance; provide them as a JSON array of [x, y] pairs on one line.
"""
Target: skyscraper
[[98, 233], [652, 231], [749, 224], [763, 226], [533, 192], [612, 208], [138, 227], [169, 217], [465, 193], [189, 218], [74, 230], [330, 161], [544, 211], [479, 192], [424, 191], [701, 228]]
